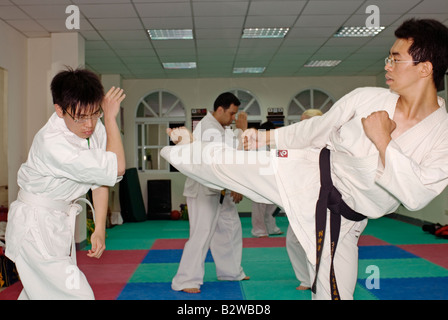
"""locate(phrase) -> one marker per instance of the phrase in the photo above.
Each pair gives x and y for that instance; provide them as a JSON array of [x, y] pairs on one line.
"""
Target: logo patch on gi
[[282, 153]]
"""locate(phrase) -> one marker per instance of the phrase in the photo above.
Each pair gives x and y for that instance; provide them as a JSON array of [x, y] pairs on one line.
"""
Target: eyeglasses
[[83, 119], [392, 62]]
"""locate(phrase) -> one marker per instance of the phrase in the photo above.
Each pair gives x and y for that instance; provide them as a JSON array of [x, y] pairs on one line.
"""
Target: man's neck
[[413, 108], [418, 104]]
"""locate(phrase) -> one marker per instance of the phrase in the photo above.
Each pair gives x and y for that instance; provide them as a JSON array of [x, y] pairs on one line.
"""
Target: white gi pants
[[213, 226], [297, 256], [263, 223], [46, 261]]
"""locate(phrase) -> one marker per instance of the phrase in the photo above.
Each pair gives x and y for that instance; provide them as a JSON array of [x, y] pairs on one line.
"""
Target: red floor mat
[[436, 253]]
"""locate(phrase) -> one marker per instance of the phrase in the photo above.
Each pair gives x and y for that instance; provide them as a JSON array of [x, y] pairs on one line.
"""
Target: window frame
[[254, 119], [296, 118]]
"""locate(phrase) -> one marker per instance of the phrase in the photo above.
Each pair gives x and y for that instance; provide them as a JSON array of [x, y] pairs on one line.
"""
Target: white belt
[[72, 209]]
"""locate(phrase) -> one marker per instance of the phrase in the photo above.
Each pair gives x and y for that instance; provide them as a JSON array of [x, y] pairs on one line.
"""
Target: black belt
[[330, 198], [221, 197]]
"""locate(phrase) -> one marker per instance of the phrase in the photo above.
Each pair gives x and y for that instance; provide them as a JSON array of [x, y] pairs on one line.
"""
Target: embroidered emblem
[[282, 153]]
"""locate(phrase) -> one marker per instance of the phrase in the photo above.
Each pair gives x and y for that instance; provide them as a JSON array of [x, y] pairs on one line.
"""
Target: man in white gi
[[213, 216], [374, 149], [72, 153]]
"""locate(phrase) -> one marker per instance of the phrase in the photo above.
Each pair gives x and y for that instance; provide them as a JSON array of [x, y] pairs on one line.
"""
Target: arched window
[[250, 105], [156, 112], [308, 99]]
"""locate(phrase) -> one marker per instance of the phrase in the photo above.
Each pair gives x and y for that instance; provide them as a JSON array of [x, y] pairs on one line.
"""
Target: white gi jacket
[[61, 167], [416, 167]]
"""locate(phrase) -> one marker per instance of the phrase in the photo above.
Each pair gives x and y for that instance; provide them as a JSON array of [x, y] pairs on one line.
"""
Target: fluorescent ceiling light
[[249, 70], [264, 33], [358, 31], [170, 34], [179, 65], [322, 63]]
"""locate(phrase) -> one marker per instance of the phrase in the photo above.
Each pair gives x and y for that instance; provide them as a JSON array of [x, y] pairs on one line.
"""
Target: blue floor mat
[[162, 291]]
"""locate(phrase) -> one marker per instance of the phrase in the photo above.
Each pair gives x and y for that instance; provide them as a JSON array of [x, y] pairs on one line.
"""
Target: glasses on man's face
[[83, 119], [392, 62]]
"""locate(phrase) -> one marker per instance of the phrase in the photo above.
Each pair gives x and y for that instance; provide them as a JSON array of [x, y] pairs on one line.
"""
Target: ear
[[219, 110], [59, 111], [426, 69]]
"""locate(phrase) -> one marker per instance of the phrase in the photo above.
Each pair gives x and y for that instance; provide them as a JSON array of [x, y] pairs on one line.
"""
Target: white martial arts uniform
[[212, 225], [416, 171], [61, 167]]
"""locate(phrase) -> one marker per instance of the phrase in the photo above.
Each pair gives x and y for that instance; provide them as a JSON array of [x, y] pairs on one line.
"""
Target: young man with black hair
[[375, 149], [73, 153]]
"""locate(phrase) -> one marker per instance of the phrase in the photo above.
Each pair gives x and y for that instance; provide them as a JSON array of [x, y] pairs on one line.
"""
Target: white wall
[[38, 91]]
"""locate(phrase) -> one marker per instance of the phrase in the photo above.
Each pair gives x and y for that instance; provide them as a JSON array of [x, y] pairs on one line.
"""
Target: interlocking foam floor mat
[[142, 258]]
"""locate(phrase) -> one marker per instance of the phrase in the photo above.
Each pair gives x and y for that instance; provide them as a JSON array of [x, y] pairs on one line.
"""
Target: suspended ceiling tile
[[108, 10], [163, 9], [331, 7], [12, 13], [220, 8], [115, 23], [219, 22]]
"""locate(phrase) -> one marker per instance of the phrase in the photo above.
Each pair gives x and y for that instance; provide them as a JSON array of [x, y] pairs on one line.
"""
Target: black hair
[[225, 99], [79, 91], [430, 43]]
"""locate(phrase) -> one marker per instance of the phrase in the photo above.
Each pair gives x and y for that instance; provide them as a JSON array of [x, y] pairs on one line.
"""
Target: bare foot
[[191, 290], [302, 288]]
